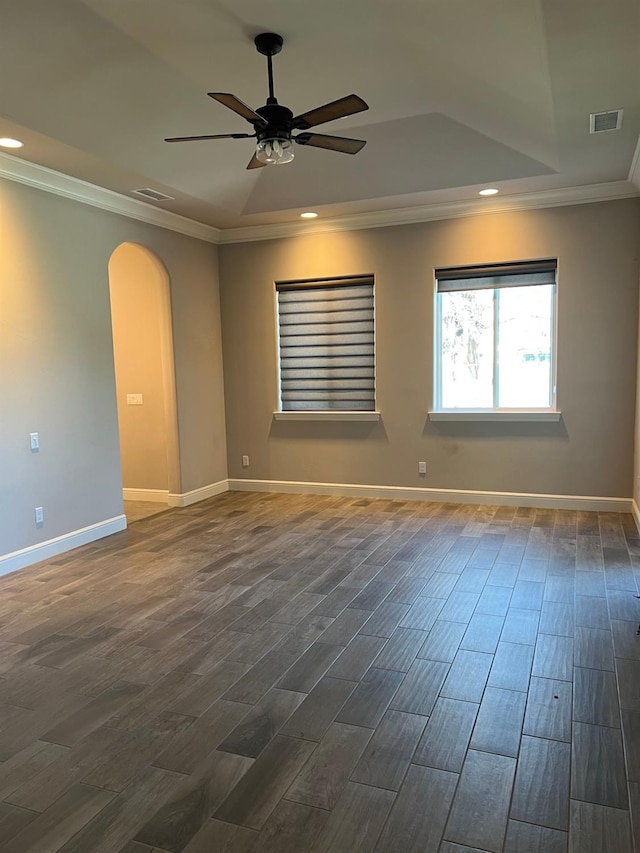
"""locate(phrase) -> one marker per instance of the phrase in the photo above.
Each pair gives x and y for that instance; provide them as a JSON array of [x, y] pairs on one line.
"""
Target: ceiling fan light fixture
[[308, 214], [274, 152], [489, 191]]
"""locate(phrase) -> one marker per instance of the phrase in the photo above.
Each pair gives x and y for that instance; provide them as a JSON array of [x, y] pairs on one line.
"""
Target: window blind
[[327, 356], [520, 274]]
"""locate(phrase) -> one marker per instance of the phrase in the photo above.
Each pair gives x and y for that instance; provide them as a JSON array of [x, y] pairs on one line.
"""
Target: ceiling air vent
[[153, 195], [609, 120]]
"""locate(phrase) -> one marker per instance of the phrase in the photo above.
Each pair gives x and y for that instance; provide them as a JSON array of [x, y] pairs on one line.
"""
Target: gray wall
[[56, 362], [57, 373], [636, 463], [589, 453]]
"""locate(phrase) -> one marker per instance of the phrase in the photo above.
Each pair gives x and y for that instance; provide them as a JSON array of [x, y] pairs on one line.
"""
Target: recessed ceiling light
[[309, 214], [489, 191], [7, 142]]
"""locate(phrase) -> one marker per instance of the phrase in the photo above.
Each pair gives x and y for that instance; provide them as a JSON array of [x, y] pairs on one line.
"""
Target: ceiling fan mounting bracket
[[268, 44]]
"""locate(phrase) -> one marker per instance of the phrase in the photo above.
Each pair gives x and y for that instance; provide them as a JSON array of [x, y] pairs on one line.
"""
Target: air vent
[[609, 120], [153, 195]]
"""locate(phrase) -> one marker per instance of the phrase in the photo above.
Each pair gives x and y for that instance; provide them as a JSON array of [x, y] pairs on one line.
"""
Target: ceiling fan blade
[[237, 106], [328, 112], [213, 136], [254, 163], [333, 143]]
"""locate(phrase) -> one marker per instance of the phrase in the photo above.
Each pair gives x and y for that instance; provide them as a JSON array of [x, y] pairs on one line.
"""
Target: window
[[495, 347], [326, 345]]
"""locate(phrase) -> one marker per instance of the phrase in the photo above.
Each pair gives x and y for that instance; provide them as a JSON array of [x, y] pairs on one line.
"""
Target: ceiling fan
[[274, 124]]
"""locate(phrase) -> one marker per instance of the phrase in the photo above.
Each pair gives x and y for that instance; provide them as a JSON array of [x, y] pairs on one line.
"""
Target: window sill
[[504, 416], [326, 416]]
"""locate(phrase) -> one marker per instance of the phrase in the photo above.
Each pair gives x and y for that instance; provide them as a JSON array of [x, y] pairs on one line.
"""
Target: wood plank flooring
[[288, 674]]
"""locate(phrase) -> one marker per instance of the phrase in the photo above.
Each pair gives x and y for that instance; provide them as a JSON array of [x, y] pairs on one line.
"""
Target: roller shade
[[521, 274], [327, 352]]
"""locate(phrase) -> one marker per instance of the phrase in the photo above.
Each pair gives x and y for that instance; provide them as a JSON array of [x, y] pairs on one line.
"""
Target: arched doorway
[[139, 289]]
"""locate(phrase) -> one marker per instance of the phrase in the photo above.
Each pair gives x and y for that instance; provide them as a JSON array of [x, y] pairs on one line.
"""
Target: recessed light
[[309, 214], [489, 191], [7, 142]]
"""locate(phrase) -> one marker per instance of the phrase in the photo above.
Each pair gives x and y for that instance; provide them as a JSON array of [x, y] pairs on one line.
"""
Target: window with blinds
[[327, 344], [495, 337]]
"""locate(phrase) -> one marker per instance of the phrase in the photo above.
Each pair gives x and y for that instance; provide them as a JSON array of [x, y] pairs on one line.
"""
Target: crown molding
[[634, 171], [42, 178], [431, 212], [48, 180]]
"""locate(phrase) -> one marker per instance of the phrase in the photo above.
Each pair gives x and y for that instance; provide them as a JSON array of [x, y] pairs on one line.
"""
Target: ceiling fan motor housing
[[278, 122]]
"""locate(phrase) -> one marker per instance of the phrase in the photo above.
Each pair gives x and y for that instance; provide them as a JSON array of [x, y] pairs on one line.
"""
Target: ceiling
[[462, 94]]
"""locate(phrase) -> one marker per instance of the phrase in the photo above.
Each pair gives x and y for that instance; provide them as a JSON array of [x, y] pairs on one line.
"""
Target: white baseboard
[[635, 511], [53, 547], [578, 502], [160, 496], [188, 498]]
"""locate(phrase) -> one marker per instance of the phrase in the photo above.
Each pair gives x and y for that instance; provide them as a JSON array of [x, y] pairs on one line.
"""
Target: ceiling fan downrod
[[269, 44]]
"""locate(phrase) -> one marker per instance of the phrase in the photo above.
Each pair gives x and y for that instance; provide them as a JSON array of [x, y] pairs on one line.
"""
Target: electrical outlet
[[422, 467], [39, 514], [245, 461], [134, 400]]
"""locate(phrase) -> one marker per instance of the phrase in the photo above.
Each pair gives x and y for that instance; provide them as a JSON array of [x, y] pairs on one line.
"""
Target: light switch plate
[[34, 440]]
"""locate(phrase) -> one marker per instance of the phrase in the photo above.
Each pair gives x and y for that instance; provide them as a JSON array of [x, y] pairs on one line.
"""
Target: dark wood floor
[[286, 674]]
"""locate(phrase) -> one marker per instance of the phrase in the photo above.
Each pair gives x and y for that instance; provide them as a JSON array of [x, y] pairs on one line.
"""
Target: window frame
[[323, 414], [525, 413]]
